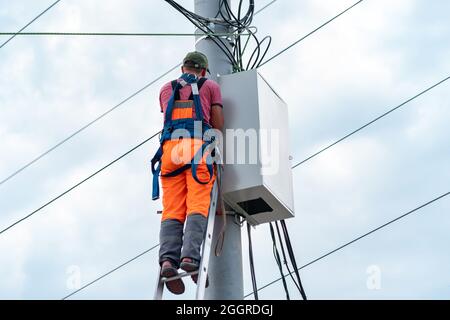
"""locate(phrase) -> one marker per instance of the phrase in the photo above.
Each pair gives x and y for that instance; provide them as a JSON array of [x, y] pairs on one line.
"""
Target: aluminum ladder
[[206, 252]]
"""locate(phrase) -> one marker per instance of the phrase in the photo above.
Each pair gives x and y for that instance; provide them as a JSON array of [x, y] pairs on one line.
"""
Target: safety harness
[[188, 125]]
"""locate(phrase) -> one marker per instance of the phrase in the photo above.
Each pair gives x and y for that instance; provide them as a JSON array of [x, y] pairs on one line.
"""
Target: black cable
[[371, 122], [251, 262], [78, 184], [238, 40], [90, 123], [12, 175], [276, 255], [285, 262], [33, 20], [241, 26], [197, 22], [265, 51], [292, 258], [352, 240], [199, 25], [357, 239], [258, 60], [236, 21], [111, 271], [139, 91], [112, 34], [309, 34]]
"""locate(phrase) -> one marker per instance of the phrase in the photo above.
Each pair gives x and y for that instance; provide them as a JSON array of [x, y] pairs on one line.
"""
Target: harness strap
[[200, 83], [193, 166], [170, 125], [155, 171], [209, 163]]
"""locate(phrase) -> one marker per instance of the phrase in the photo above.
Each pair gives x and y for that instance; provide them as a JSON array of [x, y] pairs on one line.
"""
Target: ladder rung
[[179, 276]]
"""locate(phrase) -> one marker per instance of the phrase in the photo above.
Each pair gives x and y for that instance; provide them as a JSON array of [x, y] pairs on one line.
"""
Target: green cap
[[195, 60]]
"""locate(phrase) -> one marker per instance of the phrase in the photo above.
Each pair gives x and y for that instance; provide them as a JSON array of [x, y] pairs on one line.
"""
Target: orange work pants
[[182, 195]]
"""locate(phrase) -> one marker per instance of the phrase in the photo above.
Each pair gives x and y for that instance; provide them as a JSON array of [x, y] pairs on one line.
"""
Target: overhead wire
[[111, 271], [93, 174], [87, 125], [357, 239], [13, 35], [371, 122], [310, 33], [290, 250], [115, 34], [295, 165], [31, 162], [63, 141], [265, 6], [77, 184], [134, 148], [145, 87]]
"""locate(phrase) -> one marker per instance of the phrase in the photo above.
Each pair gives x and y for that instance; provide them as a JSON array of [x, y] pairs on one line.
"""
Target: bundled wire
[[203, 24], [291, 255], [292, 258], [243, 25], [237, 24], [284, 257], [276, 255]]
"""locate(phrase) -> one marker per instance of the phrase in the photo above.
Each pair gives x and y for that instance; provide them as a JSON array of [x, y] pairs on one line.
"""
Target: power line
[[111, 271], [23, 28], [265, 7], [90, 176], [145, 141], [356, 239], [78, 184], [87, 126], [309, 34], [118, 34], [12, 175], [142, 89], [371, 122]]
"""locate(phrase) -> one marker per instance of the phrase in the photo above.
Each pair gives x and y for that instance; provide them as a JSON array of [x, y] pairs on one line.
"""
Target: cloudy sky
[[371, 59]]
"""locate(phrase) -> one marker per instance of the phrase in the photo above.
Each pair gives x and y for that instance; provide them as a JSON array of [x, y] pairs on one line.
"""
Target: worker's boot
[[171, 240], [194, 235]]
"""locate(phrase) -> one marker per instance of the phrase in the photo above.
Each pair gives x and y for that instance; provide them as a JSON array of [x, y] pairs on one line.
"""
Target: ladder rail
[[159, 286], [206, 250]]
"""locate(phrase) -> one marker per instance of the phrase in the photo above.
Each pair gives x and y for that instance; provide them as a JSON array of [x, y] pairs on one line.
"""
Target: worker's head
[[195, 62]]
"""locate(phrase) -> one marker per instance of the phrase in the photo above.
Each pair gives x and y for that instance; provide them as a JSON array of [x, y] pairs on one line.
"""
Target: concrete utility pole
[[225, 271]]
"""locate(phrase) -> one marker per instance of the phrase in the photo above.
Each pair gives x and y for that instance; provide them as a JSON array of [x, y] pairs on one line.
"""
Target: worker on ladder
[[184, 165]]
